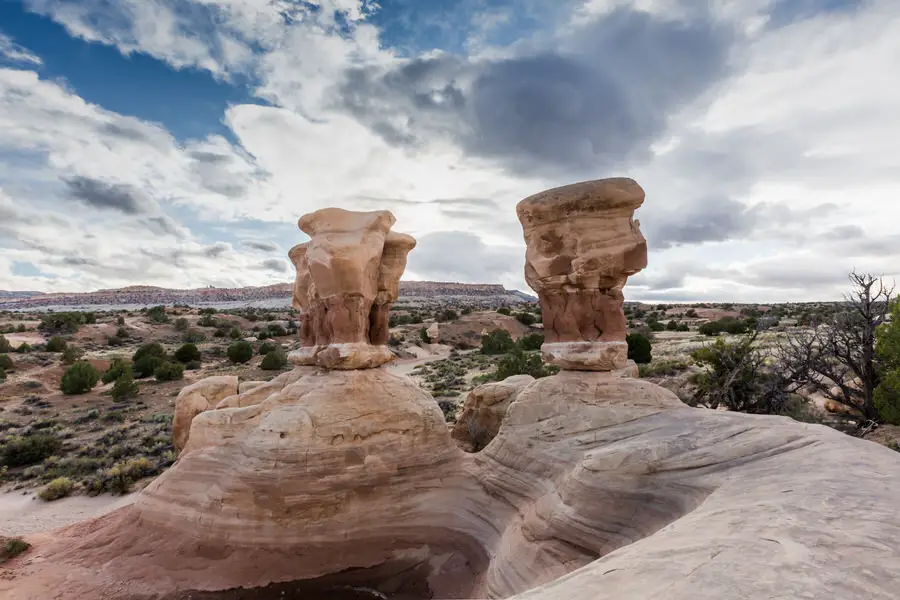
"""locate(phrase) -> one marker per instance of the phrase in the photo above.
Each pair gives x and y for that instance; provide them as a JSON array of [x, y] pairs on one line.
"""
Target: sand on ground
[[25, 514]]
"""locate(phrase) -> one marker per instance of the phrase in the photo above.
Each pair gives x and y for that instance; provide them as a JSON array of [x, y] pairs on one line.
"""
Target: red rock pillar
[[582, 245]]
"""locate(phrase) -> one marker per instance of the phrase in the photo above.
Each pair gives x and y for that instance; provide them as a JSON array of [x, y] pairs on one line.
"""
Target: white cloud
[[13, 52]]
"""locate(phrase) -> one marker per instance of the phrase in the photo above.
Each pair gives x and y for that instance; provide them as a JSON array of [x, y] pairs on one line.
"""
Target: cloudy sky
[[176, 142]]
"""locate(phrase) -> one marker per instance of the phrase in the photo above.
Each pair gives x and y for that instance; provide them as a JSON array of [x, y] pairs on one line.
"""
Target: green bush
[[496, 342], [125, 386], [146, 366], [235, 333], [193, 336], [532, 341], [117, 367], [56, 344], [504, 311], [187, 353], [21, 451], [206, 320], [56, 489], [151, 349], [24, 348], [518, 362], [268, 347], [887, 398], [274, 361], [2, 374], [120, 321], [6, 362], [640, 350], [672, 325], [526, 318], [115, 341], [119, 478], [80, 378], [122, 333], [157, 314], [169, 371], [66, 322], [5, 346], [181, 324], [447, 315], [14, 547], [240, 352], [70, 355]]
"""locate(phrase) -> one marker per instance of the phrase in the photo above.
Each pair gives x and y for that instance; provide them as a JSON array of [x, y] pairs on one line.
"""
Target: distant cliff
[[270, 295]]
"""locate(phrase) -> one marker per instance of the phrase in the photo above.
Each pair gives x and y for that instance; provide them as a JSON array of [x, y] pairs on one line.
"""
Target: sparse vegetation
[[60, 487], [24, 450], [80, 378], [274, 361], [640, 350], [240, 352], [125, 386], [56, 344], [12, 548], [498, 341], [169, 371], [187, 353]]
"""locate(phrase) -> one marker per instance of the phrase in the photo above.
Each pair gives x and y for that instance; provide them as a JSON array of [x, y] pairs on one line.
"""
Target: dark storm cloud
[[709, 220], [599, 99], [216, 250], [109, 196], [274, 264], [261, 246]]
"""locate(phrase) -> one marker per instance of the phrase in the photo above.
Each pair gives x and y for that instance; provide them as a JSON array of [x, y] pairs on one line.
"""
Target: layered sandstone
[[483, 410], [596, 487], [348, 277], [582, 245]]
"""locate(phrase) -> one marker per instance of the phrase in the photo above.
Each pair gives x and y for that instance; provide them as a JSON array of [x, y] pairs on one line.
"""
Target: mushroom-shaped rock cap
[[338, 220], [601, 195]]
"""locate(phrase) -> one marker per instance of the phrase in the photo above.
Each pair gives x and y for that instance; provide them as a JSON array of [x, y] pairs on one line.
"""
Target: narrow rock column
[[347, 278], [582, 245]]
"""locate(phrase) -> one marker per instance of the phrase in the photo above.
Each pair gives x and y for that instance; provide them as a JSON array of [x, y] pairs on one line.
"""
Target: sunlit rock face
[[348, 276], [582, 245]]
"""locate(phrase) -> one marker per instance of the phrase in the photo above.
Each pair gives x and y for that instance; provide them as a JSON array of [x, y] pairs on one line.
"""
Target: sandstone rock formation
[[583, 244], [482, 411], [197, 398], [348, 277], [350, 478]]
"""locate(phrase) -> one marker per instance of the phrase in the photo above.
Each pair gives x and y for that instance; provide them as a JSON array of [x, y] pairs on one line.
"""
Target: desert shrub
[[65, 322], [640, 350], [663, 368], [14, 547], [56, 344], [206, 320], [423, 335], [276, 330], [6, 362], [151, 349], [193, 365], [120, 321], [691, 313], [119, 478], [2, 374], [188, 353], [672, 325], [274, 361], [181, 324], [117, 367], [146, 365], [517, 362], [125, 386], [56, 489], [157, 314], [240, 352], [235, 333], [446, 315], [504, 311], [122, 333], [193, 336], [24, 348], [727, 325], [263, 335], [268, 347], [526, 318], [169, 371], [80, 378], [656, 326], [70, 355], [532, 341], [114, 341], [735, 375], [496, 342], [5, 346], [21, 451]]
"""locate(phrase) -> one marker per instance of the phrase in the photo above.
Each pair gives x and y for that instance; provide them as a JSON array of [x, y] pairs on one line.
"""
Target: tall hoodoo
[[582, 245], [348, 277]]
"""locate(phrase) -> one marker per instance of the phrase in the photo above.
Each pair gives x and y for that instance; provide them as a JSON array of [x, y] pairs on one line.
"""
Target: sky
[[176, 142]]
